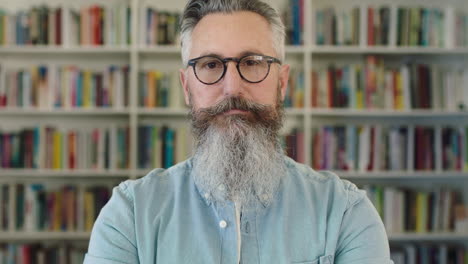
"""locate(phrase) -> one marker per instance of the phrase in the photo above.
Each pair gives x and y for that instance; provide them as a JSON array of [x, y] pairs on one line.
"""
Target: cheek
[[204, 96], [267, 93]]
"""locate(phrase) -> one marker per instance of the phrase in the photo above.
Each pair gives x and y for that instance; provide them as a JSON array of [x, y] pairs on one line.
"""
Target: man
[[238, 199]]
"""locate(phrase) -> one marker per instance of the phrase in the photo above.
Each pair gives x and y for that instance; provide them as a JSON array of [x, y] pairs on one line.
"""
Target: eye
[[211, 64], [251, 62]]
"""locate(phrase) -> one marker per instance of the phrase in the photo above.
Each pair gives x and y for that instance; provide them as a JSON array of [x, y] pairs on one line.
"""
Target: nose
[[232, 81]]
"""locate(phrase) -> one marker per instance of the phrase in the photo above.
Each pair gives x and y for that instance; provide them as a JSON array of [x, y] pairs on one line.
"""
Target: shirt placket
[[228, 233], [249, 247]]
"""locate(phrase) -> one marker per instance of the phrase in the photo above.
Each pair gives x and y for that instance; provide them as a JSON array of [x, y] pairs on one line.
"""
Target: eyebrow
[[242, 54]]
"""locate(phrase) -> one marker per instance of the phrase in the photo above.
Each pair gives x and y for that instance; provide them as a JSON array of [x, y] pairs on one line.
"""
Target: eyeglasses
[[252, 68]]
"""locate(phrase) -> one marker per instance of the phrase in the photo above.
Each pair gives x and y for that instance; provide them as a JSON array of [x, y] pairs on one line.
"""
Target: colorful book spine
[[461, 27], [159, 89], [48, 87], [424, 150], [47, 147], [100, 25], [363, 148], [293, 143], [39, 207], [295, 94], [337, 27], [465, 144], [44, 26], [421, 26], [452, 148], [420, 211], [293, 17], [159, 27], [162, 146], [410, 86], [408, 253], [41, 253]]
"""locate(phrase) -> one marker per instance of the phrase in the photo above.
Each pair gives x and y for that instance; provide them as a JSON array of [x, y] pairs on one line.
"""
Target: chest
[[211, 235]]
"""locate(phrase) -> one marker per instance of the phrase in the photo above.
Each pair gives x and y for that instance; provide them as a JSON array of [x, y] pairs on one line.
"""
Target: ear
[[184, 83], [283, 79]]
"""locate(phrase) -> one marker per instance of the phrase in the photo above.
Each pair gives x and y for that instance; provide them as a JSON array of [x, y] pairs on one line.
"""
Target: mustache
[[261, 116], [234, 103]]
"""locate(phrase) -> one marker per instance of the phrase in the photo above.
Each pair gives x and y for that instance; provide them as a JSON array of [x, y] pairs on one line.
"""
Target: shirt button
[[222, 187], [207, 196], [222, 224]]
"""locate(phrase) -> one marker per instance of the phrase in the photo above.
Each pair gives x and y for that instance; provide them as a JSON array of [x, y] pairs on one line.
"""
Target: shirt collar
[[208, 198], [205, 196]]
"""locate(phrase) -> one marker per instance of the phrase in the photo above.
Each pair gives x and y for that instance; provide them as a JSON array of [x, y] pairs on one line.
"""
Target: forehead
[[231, 35]]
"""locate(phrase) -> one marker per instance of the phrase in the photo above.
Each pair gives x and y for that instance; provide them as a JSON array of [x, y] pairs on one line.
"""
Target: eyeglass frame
[[269, 59]]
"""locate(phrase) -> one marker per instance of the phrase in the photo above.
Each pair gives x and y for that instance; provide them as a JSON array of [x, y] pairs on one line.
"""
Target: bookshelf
[[304, 58], [321, 56], [39, 236]]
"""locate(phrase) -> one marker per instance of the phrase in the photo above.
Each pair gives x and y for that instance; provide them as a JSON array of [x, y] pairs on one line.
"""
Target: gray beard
[[238, 158]]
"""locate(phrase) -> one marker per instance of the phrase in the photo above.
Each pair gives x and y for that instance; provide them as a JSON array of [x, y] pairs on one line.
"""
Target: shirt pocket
[[322, 260]]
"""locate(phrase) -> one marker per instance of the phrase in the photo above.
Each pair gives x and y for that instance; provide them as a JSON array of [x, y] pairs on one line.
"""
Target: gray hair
[[195, 10]]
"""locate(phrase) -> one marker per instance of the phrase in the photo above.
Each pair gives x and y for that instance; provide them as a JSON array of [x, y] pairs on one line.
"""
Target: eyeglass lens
[[252, 68]]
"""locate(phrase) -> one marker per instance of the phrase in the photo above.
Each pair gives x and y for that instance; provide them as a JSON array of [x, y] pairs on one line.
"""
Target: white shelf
[[160, 49], [386, 50], [175, 49], [163, 111], [79, 173], [404, 175], [298, 49], [292, 49], [384, 113], [142, 172], [430, 237], [295, 111], [62, 112], [46, 49], [43, 235]]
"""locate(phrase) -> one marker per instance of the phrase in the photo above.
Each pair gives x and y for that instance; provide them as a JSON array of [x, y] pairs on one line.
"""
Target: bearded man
[[239, 199]]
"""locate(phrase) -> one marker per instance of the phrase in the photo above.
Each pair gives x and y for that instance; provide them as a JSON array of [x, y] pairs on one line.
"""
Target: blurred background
[[90, 97]]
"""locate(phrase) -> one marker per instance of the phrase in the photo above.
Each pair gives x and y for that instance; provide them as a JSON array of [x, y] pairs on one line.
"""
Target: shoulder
[[323, 184], [158, 182]]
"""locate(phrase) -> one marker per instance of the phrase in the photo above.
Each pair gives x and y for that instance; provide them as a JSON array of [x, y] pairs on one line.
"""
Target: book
[[159, 89], [100, 25], [37, 25], [48, 147], [159, 27], [337, 26], [64, 86], [420, 211], [406, 87], [162, 146], [41, 253]]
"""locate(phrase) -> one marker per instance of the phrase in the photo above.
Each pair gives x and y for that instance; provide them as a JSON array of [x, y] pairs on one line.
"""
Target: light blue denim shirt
[[163, 218]]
